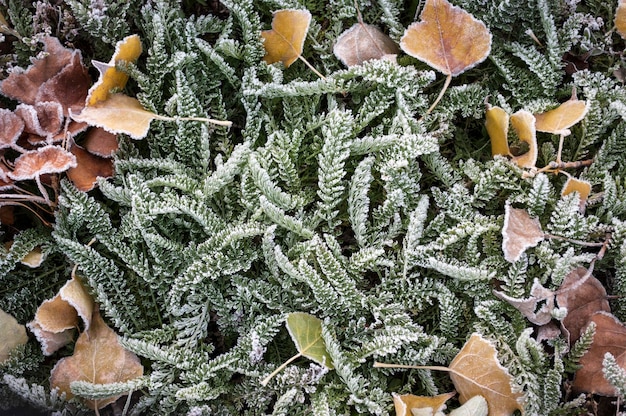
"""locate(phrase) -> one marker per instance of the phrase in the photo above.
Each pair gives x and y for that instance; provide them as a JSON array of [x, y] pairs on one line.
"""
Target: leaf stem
[[279, 369], [440, 96], [311, 67]]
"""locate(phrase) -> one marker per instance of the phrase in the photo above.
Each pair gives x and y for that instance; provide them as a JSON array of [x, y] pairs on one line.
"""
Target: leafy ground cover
[[303, 207]]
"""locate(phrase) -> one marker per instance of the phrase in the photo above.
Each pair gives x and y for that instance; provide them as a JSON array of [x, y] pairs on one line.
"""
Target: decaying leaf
[[56, 318], [306, 333], [610, 336], [101, 143], [528, 306], [411, 405], [12, 335], [476, 371], [523, 123], [577, 185], [126, 50], [98, 358], [583, 295], [42, 119], [620, 18], [47, 159], [11, 128], [34, 258], [519, 232], [497, 125], [560, 119], [285, 41], [447, 38], [89, 168], [363, 42]]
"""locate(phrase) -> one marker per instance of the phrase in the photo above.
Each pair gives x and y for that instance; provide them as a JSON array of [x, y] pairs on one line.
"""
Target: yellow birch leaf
[[476, 371], [447, 38], [476, 406], [128, 50], [560, 119], [620, 19], [285, 41], [12, 335], [524, 124], [98, 358], [497, 125], [577, 185], [406, 404]]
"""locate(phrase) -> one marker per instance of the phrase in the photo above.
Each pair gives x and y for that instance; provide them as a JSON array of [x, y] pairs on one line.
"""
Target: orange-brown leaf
[[405, 403], [48, 159], [560, 119], [447, 38], [497, 125], [89, 168], [285, 41], [610, 336], [620, 19], [476, 371], [363, 42], [519, 232], [127, 50], [98, 358], [523, 123]]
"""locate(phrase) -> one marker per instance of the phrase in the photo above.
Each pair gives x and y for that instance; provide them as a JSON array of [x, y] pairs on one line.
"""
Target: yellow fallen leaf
[[560, 119], [406, 404], [620, 19], [285, 41], [98, 358], [577, 185], [128, 50], [120, 113], [12, 335], [524, 124], [497, 125]]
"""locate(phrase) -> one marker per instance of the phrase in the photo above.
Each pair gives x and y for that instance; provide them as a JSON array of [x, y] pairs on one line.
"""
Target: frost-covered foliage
[[337, 197]]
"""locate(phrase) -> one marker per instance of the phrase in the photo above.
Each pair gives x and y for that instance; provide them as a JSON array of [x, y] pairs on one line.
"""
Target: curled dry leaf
[[523, 123], [583, 295], [610, 336], [88, 169], [12, 335], [476, 406], [447, 38], [409, 404], [11, 128], [476, 371], [620, 18], [519, 232], [497, 125], [43, 119], [47, 159], [57, 317], [101, 143], [528, 306], [285, 41], [363, 42], [560, 119], [577, 185], [126, 50], [98, 358]]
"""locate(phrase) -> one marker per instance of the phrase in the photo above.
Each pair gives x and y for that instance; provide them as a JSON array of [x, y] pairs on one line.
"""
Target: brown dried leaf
[[98, 358], [620, 19], [101, 143], [560, 119], [406, 404], [89, 168], [12, 335], [524, 124], [11, 128], [528, 306], [610, 336], [447, 38], [519, 232], [48, 159], [127, 50], [285, 41], [43, 119], [583, 295], [69, 87], [363, 42], [476, 371]]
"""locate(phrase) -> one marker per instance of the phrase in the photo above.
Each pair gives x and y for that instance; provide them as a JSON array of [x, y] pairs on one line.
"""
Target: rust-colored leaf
[[528, 306], [100, 142], [407, 404], [476, 371], [447, 38], [560, 119], [583, 295], [363, 42], [519, 232], [89, 168], [620, 19], [523, 123], [497, 125], [126, 50], [610, 336], [285, 41], [48, 159], [11, 128], [42, 119], [98, 358]]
